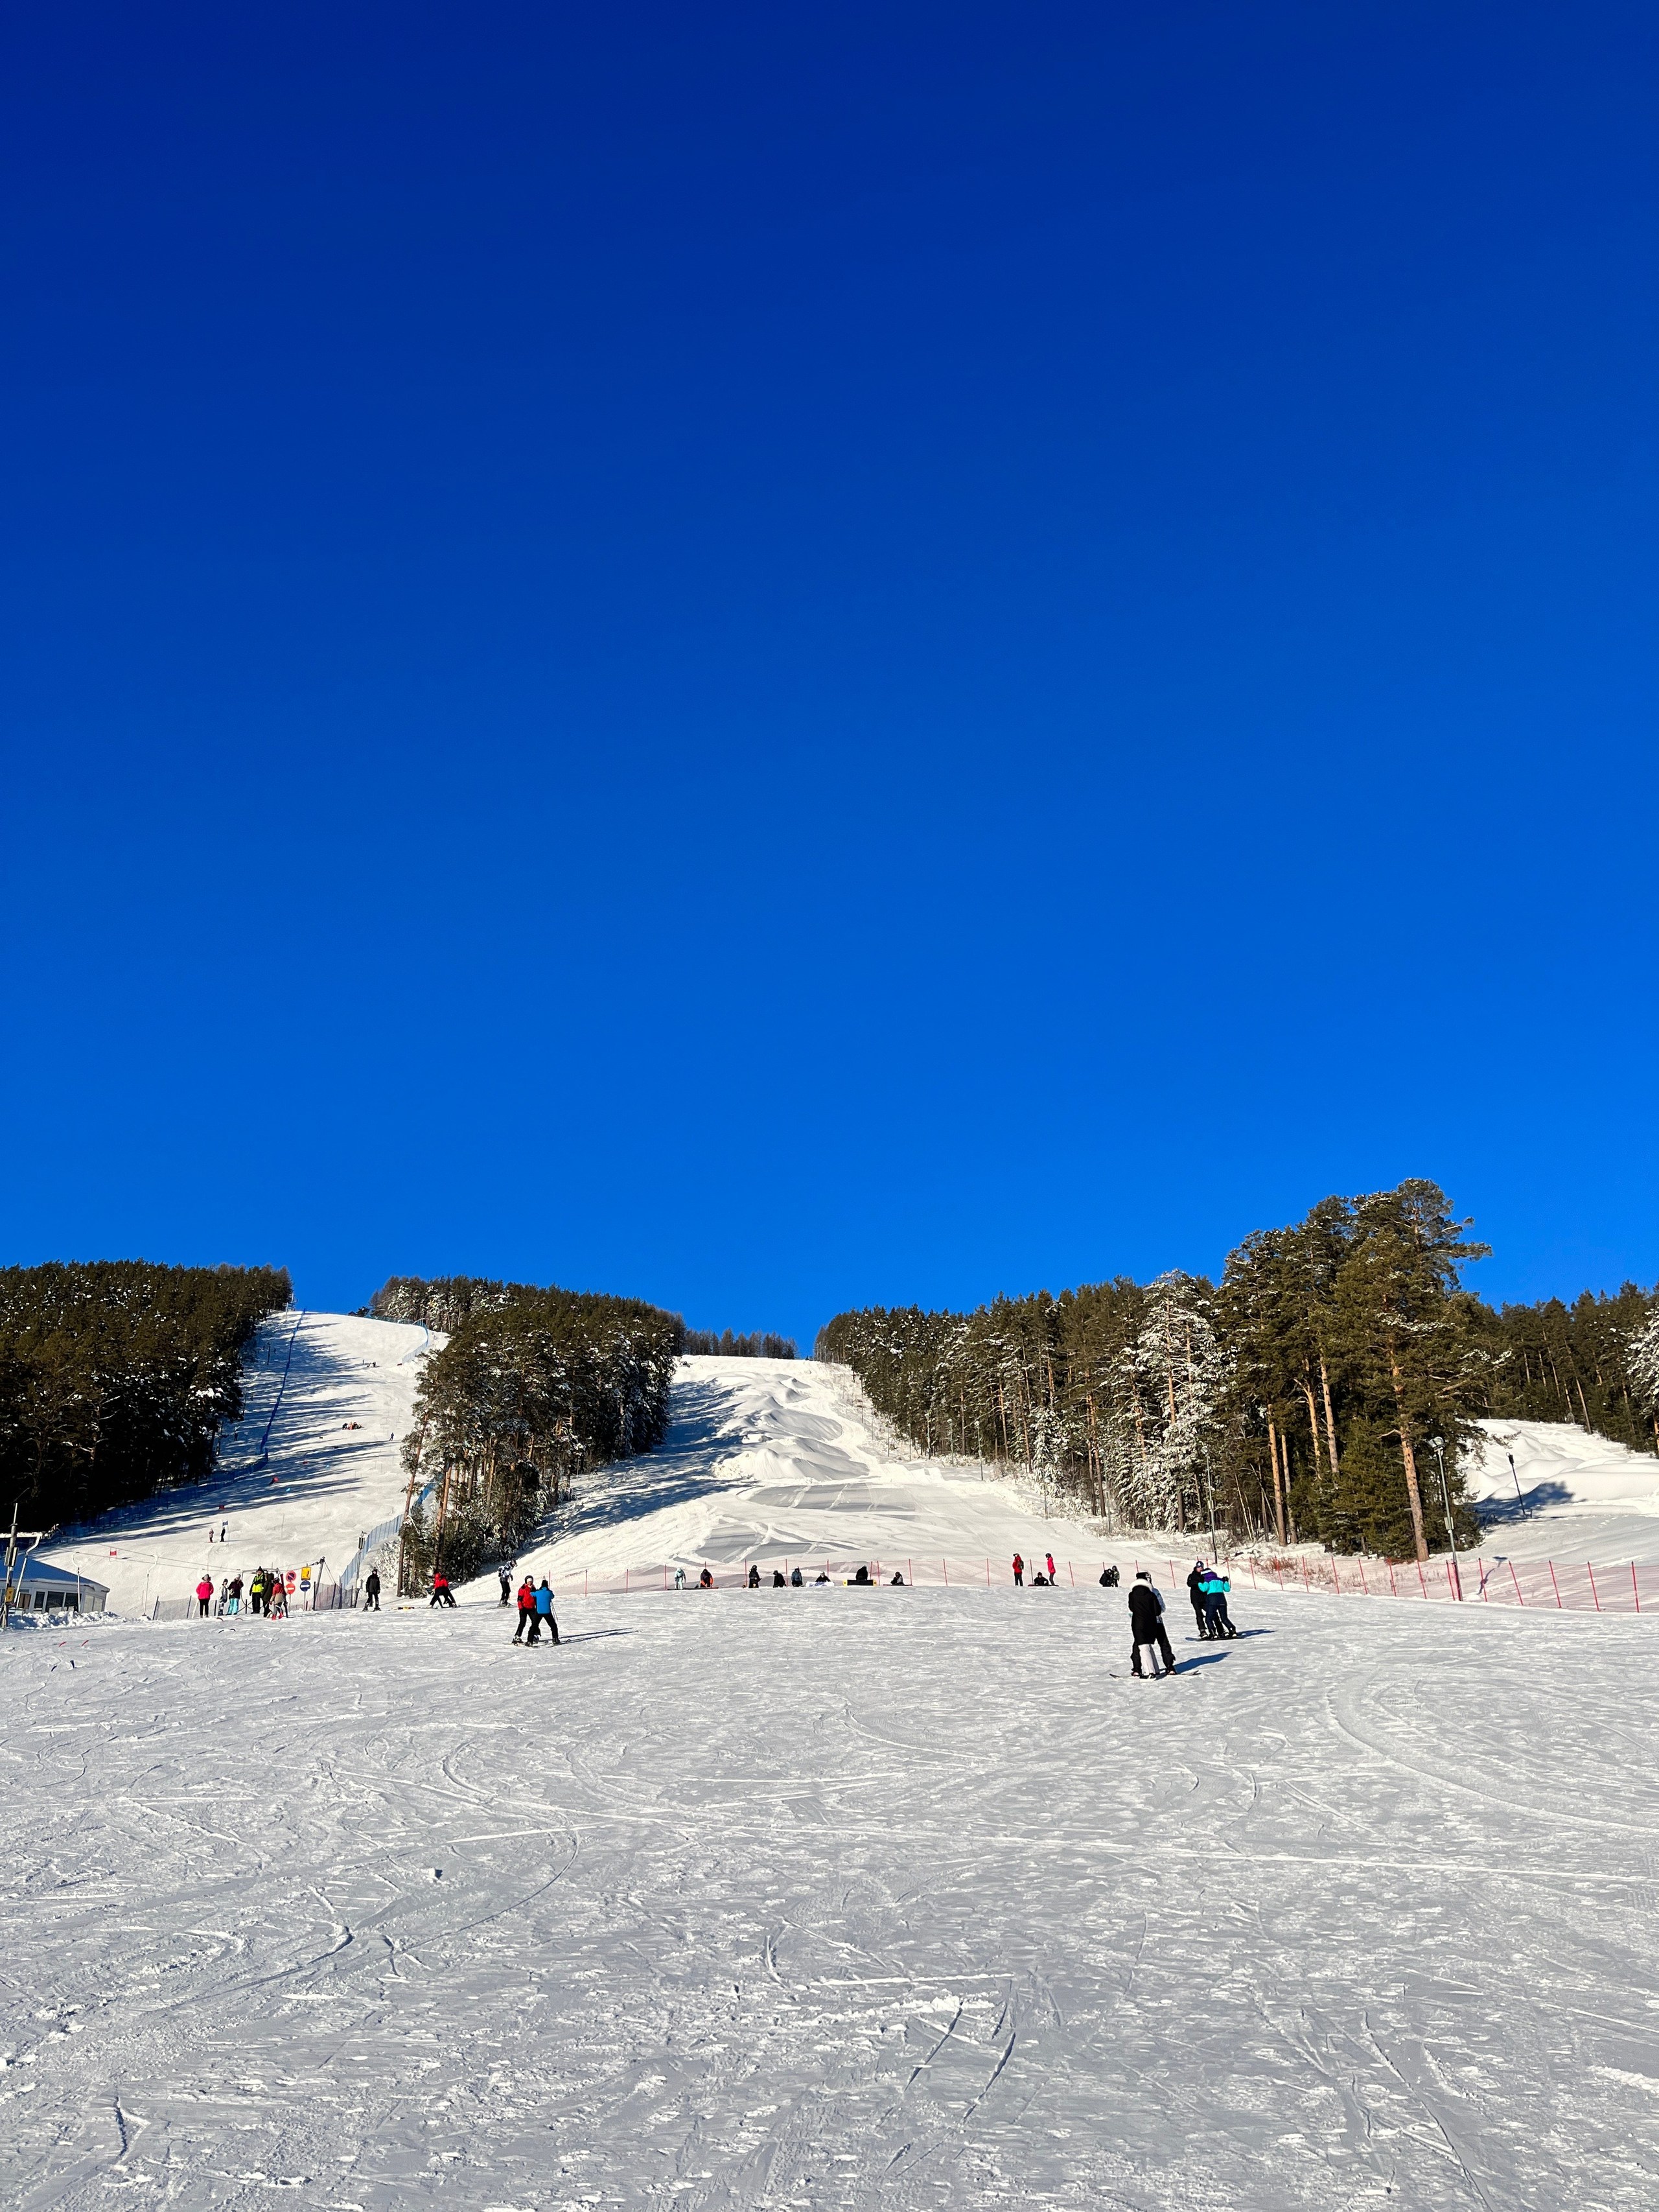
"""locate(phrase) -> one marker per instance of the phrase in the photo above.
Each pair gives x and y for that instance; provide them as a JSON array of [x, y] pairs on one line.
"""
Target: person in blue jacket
[[543, 1616], [1215, 1587]]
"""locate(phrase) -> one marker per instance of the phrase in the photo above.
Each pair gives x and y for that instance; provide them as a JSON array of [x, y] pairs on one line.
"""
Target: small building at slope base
[[37, 1586]]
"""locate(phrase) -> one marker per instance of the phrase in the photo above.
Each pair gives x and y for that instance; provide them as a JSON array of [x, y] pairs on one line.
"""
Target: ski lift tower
[[34, 1536]]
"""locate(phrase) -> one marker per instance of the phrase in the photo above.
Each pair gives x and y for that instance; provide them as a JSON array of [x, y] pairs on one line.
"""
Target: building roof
[[33, 1572]]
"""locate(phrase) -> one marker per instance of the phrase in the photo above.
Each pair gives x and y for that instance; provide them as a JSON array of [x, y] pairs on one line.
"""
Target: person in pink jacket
[[204, 1594]]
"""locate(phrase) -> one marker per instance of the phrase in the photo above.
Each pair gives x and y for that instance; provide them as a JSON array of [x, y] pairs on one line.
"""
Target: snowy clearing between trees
[[833, 1898], [311, 1466], [1571, 1495]]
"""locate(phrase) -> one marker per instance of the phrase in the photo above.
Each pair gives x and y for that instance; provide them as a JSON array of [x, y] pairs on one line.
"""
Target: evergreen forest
[[116, 1376], [534, 1387], [726, 1344], [1326, 1388]]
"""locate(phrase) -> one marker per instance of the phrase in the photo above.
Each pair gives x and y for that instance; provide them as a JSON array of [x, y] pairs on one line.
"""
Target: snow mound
[[1569, 1491]]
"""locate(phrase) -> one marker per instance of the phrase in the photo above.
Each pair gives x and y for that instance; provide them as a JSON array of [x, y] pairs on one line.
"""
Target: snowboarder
[[862, 1580], [1019, 1573], [372, 1590], [821, 1581], [1147, 1626], [441, 1593], [1196, 1591], [205, 1596], [543, 1614], [897, 1582], [526, 1608], [506, 1585], [1216, 1587]]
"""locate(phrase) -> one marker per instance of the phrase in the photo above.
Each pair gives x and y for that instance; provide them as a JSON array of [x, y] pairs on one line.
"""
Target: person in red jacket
[[1019, 1573], [441, 1594], [526, 1608], [1049, 1563], [204, 1594]]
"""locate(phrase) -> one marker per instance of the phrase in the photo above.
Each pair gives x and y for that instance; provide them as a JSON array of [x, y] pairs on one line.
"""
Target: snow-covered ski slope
[[832, 1899], [781, 1462], [1581, 1496], [311, 1466]]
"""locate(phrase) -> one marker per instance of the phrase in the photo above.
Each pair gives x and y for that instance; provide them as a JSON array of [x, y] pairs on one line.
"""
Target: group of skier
[[1206, 1586], [266, 1589]]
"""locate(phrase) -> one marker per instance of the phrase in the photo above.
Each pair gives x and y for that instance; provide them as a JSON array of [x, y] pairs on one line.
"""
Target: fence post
[[1394, 1587], [1306, 1584], [584, 1581], [1590, 1571], [1364, 1587], [1516, 1579], [1420, 1577], [1634, 1589], [624, 1582], [1554, 1585], [987, 1574], [1071, 1570], [944, 1569]]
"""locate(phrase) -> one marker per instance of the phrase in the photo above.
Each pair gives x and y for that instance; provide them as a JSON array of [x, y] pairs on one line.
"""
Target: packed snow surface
[[832, 1898], [311, 1466], [1571, 1495]]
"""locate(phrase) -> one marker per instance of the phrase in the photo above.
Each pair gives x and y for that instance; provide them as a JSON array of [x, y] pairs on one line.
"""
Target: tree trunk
[[1313, 1425], [1330, 1419], [1279, 1494], [1413, 1494]]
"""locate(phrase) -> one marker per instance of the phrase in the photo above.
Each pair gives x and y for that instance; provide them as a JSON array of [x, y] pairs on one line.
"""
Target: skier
[[233, 1594], [276, 1599], [256, 1590], [1048, 1562], [506, 1585], [526, 1608], [543, 1613], [205, 1596], [679, 1578], [1196, 1591], [754, 1577], [441, 1593], [705, 1580], [795, 1579], [1019, 1573], [1216, 1587], [1146, 1626], [372, 1590]]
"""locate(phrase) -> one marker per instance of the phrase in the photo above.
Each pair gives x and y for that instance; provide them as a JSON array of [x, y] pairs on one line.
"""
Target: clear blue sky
[[780, 657]]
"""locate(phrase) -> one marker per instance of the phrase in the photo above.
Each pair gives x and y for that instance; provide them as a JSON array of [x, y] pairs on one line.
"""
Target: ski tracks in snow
[[844, 1900]]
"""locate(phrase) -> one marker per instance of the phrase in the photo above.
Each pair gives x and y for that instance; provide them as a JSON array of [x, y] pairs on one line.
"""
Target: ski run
[[819, 1897]]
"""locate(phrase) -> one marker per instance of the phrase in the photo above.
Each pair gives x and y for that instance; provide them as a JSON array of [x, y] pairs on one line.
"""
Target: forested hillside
[[116, 1376], [532, 1387], [1326, 1388]]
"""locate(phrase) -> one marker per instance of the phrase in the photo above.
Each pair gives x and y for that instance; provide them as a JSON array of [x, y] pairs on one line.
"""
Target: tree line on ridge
[[1326, 1388]]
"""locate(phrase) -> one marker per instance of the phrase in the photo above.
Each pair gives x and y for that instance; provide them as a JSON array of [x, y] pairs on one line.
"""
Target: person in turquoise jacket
[[1215, 1587]]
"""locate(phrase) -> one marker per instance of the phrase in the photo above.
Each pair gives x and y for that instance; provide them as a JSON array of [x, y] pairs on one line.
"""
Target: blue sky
[[781, 658]]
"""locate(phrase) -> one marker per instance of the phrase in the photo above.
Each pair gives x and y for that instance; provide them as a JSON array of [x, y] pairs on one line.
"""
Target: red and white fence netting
[[1546, 1584]]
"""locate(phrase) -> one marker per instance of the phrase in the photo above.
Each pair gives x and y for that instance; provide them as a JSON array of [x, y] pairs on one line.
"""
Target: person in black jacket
[[1146, 1624], [1196, 1591], [372, 1590]]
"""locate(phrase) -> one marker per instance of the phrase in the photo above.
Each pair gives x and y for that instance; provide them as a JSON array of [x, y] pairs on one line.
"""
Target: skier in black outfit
[[1196, 1591], [1146, 1624], [371, 1591]]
